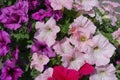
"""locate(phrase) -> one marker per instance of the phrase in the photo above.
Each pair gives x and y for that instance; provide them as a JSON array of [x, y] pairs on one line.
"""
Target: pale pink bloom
[[60, 4], [47, 31], [73, 61], [116, 35], [63, 47], [85, 5], [44, 76], [110, 7], [102, 50], [82, 40], [104, 73], [38, 61], [82, 22]]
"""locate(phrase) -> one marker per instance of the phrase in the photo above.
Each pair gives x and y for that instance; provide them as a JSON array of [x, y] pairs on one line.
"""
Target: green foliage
[[118, 71], [55, 61]]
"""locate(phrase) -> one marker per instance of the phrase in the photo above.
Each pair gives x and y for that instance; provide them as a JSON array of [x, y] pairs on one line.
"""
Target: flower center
[[102, 72], [81, 1], [96, 49], [83, 38]]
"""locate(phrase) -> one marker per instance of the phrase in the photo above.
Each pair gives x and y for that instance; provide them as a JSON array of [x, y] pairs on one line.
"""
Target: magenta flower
[[42, 48], [4, 41], [33, 4], [42, 14], [10, 71], [15, 53], [14, 15]]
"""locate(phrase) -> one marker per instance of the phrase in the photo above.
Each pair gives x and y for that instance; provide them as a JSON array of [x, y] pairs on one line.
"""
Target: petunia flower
[[110, 7], [33, 4], [61, 73], [48, 13], [47, 31], [10, 71], [15, 53], [102, 50], [104, 73], [116, 35], [42, 48], [73, 61], [14, 15], [38, 61], [85, 5], [86, 69], [4, 41], [45, 75], [63, 47], [82, 22], [59, 4], [82, 39]]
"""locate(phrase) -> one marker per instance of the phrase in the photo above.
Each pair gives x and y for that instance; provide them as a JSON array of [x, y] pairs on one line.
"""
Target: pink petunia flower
[[44, 76], [47, 31], [82, 22], [85, 5], [38, 61], [63, 47], [102, 50], [82, 40], [110, 7], [73, 61], [59, 4], [104, 73], [116, 35]]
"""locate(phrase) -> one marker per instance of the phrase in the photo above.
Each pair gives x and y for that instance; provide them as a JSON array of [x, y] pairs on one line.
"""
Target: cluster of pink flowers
[[81, 48]]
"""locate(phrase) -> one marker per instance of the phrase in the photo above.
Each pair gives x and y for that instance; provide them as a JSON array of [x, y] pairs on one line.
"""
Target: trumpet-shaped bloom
[[44, 76], [104, 73], [86, 69], [63, 47], [47, 31], [82, 39], [116, 35], [38, 61], [10, 71], [14, 15], [42, 48], [85, 5], [102, 50], [73, 61], [61, 73], [49, 12], [82, 22], [59, 4], [4, 41]]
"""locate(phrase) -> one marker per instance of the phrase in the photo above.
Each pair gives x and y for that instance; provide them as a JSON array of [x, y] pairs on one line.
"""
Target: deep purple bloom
[[33, 4], [42, 48], [15, 53], [14, 15], [42, 14], [4, 41], [10, 71]]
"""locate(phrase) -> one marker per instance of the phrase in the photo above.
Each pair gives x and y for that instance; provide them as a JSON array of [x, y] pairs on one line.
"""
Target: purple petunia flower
[[42, 48], [10, 71], [14, 15], [4, 41], [33, 4], [42, 14], [15, 53]]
